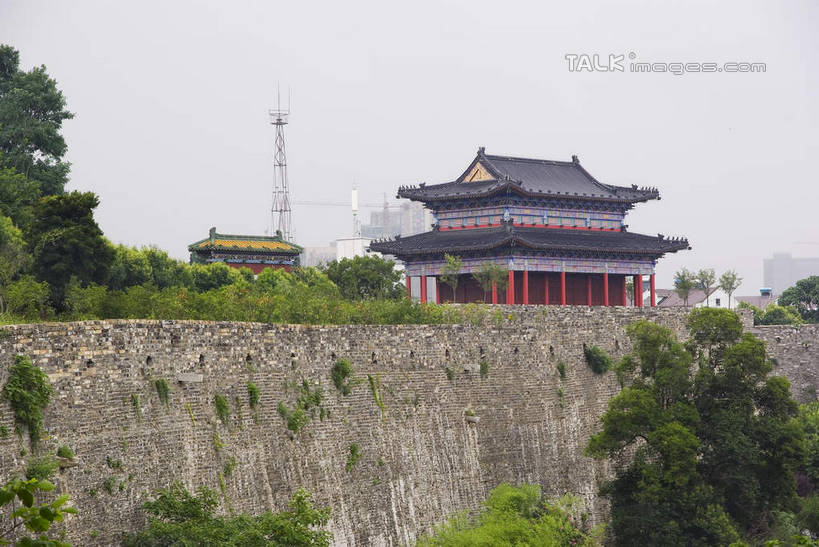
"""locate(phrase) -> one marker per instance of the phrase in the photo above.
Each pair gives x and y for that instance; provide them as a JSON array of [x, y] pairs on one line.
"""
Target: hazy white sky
[[171, 102]]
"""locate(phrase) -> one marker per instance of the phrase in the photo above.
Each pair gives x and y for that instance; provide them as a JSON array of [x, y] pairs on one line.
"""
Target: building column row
[[510, 291]]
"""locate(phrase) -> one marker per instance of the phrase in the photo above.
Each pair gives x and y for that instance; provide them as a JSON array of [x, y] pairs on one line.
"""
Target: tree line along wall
[[422, 458]]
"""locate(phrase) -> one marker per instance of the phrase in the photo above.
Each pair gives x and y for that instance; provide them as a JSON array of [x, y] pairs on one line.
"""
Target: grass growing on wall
[[28, 391], [253, 395], [375, 383], [484, 368], [307, 407], [353, 457], [163, 391], [222, 408]]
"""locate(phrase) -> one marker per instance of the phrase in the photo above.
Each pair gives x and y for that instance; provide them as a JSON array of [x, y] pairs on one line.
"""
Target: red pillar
[[438, 291], [409, 287], [423, 289], [638, 291], [546, 288], [562, 288], [588, 289], [653, 292], [494, 293], [525, 286], [605, 288], [510, 290], [625, 292]]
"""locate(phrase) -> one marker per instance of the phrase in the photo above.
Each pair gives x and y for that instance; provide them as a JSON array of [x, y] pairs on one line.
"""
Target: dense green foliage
[[340, 374], [28, 391], [804, 296], [307, 407], [774, 314], [180, 518], [715, 441], [35, 518], [32, 111], [597, 359], [365, 277], [516, 516], [42, 468], [253, 395]]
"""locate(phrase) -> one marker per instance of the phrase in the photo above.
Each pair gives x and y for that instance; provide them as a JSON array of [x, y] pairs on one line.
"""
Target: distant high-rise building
[[783, 271]]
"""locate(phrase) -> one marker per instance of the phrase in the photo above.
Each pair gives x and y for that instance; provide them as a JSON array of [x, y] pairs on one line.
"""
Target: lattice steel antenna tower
[[280, 209]]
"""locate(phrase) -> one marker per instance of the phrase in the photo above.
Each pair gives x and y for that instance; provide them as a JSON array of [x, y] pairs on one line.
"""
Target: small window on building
[[718, 304]]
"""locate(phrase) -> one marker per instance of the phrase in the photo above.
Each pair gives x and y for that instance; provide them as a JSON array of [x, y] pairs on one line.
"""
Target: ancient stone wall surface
[[795, 351], [422, 458]]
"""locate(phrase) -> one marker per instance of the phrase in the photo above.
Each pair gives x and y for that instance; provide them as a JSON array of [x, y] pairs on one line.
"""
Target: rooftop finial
[[575, 159], [481, 150]]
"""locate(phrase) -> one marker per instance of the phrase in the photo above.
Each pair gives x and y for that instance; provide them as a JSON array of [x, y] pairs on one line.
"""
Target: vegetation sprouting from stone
[[113, 463], [42, 468], [561, 369], [177, 517], [375, 384], [597, 359], [253, 395], [163, 391], [340, 374], [28, 392], [484, 368], [230, 466], [222, 409], [353, 456], [190, 414], [450, 373], [135, 404], [64, 451], [307, 407]]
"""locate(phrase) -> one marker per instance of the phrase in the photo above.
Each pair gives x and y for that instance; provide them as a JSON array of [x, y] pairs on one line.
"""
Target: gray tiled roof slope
[[531, 177], [555, 239]]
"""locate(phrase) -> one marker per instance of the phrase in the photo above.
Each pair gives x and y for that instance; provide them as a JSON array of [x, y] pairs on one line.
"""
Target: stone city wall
[[422, 458]]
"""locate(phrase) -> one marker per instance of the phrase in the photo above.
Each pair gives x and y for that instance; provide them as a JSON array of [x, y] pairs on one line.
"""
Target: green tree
[[67, 242], [705, 281], [178, 517], [684, 282], [729, 282], [167, 271], [13, 256], [365, 277], [32, 111], [804, 296], [451, 272], [27, 524], [28, 299], [207, 277], [491, 275], [714, 438]]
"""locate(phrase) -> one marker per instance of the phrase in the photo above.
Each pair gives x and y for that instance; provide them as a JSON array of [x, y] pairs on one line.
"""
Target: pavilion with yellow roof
[[238, 251]]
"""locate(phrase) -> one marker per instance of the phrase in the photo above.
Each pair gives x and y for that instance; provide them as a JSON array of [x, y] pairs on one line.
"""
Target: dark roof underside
[[531, 177], [554, 239]]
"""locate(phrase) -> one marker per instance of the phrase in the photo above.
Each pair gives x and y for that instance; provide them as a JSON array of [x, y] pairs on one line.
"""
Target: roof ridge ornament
[[575, 159]]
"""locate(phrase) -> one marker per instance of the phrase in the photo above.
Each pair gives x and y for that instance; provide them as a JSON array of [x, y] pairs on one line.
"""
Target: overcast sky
[[171, 101]]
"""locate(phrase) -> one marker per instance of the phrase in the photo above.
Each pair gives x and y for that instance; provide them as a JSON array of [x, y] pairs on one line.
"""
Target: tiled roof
[[228, 242], [555, 239], [530, 177], [668, 298]]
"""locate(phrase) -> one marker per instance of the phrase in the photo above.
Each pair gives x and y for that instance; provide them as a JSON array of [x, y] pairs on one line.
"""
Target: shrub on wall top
[[597, 359]]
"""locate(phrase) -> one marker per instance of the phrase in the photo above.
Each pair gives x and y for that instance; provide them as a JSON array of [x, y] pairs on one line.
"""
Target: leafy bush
[[37, 519], [340, 372], [65, 452], [516, 516], [597, 359], [42, 468], [28, 391], [180, 518], [307, 406]]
